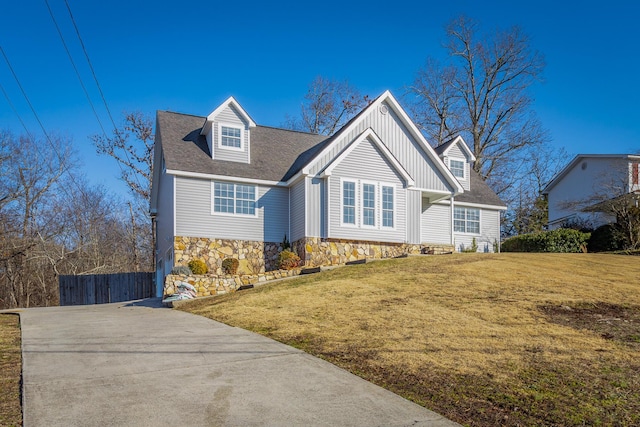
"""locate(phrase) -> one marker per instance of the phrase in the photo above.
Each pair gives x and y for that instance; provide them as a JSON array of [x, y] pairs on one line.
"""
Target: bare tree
[[134, 157], [327, 106], [132, 147], [483, 93]]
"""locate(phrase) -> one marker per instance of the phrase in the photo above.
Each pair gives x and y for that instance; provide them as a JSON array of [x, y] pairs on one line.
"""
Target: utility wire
[[104, 100], [6, 96], [66, 48]]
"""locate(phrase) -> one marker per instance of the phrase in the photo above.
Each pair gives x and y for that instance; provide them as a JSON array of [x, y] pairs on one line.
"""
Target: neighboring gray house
[[586, 180], [224, 186]]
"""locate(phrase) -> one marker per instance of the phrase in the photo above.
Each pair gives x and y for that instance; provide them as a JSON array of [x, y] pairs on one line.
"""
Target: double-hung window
[[349, 202], [457, 168], [466, 220], [234, 198], [387, 206], [369, 205], [230, 136]]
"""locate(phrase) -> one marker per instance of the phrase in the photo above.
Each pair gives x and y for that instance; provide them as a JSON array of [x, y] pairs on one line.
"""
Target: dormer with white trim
[[228, 132], [457, 156]]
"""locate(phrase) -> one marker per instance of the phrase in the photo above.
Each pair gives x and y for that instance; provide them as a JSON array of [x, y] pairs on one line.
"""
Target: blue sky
[[190, 56]]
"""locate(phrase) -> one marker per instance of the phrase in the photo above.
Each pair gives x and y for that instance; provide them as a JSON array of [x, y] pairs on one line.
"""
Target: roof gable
[[371, 136], [443, 149], [230, 102], [576, 160], [387, 99]]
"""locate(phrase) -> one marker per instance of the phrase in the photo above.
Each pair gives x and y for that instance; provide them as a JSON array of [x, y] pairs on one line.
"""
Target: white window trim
[[376, 204], [453, 219], [464, 167], [234, 126], [234, 214], [395, 206], [355, 213]]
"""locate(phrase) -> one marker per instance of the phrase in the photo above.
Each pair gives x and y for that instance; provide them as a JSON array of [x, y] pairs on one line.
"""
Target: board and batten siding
[[297, 209], [316, 207], [403, 146], [489, 231], [366, 163], [414, 209], [230, 116], [435, 223], [456, 153], [194, 217]]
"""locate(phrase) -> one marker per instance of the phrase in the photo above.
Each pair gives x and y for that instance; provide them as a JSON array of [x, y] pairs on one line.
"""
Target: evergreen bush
[[198, 266], [559, 240], [287, 260], [606, 238]]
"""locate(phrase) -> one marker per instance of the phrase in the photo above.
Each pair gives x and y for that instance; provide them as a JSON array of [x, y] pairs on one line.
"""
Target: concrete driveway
[[138, 364]]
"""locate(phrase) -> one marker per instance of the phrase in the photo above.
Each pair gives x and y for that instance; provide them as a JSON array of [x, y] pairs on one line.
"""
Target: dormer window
[[457, 168], [231, 137]]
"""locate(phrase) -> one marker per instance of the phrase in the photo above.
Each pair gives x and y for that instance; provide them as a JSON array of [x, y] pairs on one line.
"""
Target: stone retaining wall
[[314, 251], [254, 257], [212, 284]]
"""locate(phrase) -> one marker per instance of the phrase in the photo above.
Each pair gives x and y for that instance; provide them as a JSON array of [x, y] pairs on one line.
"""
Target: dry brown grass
[[468, 335], [10, 369]]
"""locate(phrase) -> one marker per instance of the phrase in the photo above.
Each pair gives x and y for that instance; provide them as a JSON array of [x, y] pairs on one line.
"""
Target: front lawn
[[484, 339], [10, 370]]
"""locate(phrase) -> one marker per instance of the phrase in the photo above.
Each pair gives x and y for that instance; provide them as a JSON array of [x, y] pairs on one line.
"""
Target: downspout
[[453, 240]]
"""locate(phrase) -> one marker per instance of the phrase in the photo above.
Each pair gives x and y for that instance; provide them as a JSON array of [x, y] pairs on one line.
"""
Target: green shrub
[[473, 248], [560, 240], [181, 270], [288, 260], [198, 266], [606, 238], [230, 265]]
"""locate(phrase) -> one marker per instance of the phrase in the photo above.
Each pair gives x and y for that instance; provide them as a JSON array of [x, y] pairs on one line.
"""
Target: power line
[[6, 96], [104, 100], [95, 113]]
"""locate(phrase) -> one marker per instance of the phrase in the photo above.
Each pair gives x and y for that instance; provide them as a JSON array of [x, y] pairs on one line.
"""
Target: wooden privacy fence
[[105, 288]]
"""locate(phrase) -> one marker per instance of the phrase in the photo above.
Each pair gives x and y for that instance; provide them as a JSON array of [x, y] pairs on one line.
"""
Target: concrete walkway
[[137, 364]]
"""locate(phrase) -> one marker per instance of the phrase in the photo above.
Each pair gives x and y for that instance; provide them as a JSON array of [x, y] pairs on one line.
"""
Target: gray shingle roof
[[480, 192], [276, 154]]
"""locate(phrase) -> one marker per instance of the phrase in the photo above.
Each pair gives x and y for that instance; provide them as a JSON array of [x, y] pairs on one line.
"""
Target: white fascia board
[[226, 178], [230, 101], [476, 205], [370, 135], [460, 142]]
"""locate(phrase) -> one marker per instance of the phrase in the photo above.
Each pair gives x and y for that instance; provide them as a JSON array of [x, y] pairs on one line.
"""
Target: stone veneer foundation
[[212, 284], [258, 257], [254, 257], [315, 251]]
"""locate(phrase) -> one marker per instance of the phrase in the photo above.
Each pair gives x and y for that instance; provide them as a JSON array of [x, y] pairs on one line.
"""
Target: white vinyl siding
[[195, 218], [435, 223], [297, 208]]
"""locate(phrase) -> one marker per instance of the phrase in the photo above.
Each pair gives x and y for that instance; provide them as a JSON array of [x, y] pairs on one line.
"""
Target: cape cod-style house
[[224, 186]]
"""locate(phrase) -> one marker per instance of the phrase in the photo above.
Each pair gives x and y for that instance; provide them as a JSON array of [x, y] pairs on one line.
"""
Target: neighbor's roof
[[276, 154], [577, 160]]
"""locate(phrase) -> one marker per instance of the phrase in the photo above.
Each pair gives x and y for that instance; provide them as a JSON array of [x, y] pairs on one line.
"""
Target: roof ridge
[[181, 114]]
